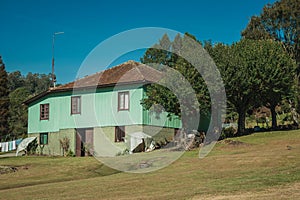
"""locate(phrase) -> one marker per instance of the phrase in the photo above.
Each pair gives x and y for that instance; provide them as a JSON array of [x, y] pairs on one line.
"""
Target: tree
[[279, 21], [181, 76], [276, 71], [21, 88], [18, 112], [15, 80], [4, 102], [240, 76], [254, 73], [37, 83]]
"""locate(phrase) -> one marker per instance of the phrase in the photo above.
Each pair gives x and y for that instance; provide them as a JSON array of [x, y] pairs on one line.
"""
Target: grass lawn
[[259, 166]]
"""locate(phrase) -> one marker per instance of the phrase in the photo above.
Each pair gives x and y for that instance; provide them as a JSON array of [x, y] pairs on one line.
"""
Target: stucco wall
[[53, 147], [104, 139]]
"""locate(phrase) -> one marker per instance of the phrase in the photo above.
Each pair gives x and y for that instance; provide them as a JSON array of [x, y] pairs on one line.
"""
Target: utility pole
[[53, 77]]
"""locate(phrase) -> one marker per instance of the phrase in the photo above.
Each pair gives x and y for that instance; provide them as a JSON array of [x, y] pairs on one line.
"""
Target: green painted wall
[[153, 119], [99, 109]]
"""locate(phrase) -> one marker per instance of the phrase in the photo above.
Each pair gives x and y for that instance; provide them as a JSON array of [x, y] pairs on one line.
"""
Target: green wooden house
[[98, 112]]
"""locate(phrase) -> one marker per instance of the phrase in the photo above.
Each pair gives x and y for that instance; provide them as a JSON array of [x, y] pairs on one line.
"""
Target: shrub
[[70, 153], [228, 132], [65, 144]]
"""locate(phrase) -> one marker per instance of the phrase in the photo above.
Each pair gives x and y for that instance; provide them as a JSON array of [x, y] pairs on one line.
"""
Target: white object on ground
[[23, 145]]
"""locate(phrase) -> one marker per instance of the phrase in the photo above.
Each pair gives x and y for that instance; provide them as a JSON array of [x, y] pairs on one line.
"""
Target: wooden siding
[[98, 109]]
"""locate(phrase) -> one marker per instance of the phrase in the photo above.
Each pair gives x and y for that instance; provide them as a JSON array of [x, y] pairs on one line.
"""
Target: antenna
[[53, 77]]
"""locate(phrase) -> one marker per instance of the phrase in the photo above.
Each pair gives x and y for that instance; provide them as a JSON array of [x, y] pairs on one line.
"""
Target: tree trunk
[[241, 122], [274, 119]]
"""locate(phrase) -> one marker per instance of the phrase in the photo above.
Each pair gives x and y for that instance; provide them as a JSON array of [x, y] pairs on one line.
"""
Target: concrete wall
[[53, 147], [104, 139]]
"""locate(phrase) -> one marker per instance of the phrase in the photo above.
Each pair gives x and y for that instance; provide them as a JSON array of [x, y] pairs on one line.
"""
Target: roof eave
[[53, 91]]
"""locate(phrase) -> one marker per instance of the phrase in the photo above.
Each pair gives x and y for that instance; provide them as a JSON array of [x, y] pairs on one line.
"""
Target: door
[[84, 141], [89, 141]]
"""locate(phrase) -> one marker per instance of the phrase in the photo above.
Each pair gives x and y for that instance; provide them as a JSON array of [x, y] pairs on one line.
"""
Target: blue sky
[[27, 27]]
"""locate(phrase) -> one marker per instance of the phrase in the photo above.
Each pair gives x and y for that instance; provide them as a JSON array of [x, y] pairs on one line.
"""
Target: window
[[75, 105], [44, 111], [43, 138], [123, 101], [119, 133]]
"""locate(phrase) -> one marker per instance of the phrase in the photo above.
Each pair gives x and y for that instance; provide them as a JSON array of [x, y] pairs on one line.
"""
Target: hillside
[[258, 166]]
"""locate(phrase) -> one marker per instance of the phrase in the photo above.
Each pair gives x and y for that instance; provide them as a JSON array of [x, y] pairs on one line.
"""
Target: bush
[[122, 153], [70, 153], [228, 132], [65, 144]]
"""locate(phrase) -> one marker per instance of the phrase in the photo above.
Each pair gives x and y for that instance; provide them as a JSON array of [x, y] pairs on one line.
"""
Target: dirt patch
[[234, 143], [7, 169], [11, 169]]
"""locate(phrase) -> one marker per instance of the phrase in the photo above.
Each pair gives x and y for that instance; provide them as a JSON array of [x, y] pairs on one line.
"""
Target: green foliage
[[276, 70], [21, 88], [15, 80], [181, 81], [37, 83], [4, 103], [18, 112], [70, 153], [122, 153], [228, 132], [279, 21], [254, 73]]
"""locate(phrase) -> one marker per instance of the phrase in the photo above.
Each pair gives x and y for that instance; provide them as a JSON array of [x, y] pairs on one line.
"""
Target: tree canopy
[[4, 102], [255, 73], [168, 57], [279, 21]]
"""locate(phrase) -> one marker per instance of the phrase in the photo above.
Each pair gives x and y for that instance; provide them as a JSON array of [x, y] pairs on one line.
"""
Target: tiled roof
[[126, 73]]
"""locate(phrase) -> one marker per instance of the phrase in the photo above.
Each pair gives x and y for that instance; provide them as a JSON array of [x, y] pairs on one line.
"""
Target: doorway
[[84, 141]]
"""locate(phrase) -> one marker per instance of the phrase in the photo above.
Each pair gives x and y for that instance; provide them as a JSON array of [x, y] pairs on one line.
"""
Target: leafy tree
[[254, 73], [4, 102], [37, 83], [239, 76], [157, 56], [276, 71], [15, 80], [279, 21], [18, 112], [21, 88], [180, 76]]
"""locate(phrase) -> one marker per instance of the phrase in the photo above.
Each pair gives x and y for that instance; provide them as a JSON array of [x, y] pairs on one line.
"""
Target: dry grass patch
[[262, 169]]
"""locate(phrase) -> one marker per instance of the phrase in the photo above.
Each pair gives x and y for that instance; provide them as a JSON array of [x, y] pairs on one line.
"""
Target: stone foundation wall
[[104, 139], [53, 147]]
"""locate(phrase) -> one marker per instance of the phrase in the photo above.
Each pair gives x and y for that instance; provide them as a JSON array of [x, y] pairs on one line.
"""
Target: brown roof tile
[[127, 72]]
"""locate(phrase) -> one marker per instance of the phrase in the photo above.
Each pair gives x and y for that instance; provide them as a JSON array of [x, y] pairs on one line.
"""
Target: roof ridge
[[139, 71]]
